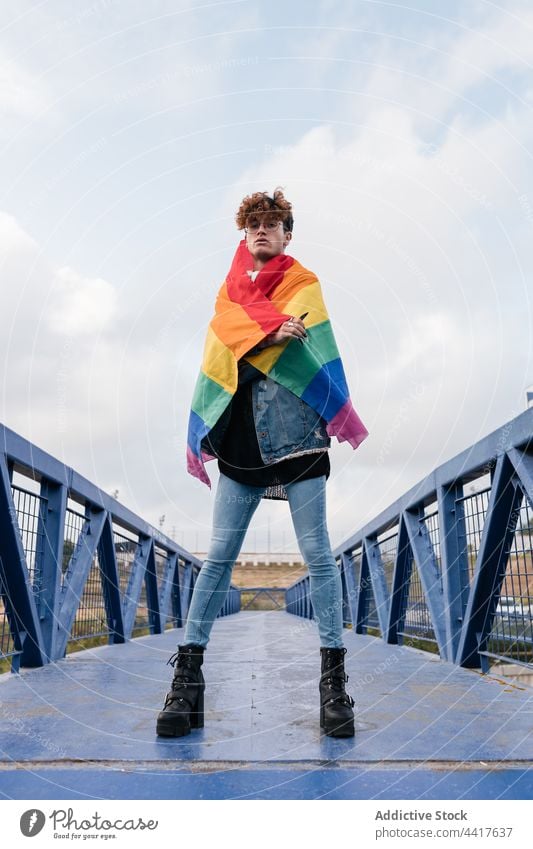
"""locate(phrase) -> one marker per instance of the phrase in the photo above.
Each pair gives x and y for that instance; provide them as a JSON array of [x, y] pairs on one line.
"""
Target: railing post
[[498, 531], [76, 575], [424, 556], [346, 612], [165, 591], [378, 582], [152, 595], [52, 531], [523, 465], [135, 582], [454, 562], [175, 595], [185, 588], [111, 588], [402, 571], [352, 589], [21, 609], [365, 587]]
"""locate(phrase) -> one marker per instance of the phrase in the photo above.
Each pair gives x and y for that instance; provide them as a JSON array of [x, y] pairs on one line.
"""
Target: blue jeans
[[235, 505]]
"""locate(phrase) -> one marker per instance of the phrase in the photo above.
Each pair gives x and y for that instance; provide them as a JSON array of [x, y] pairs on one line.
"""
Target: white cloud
[[504, 41], [81, 305], [423, 342], [22, 94], [13, 239]]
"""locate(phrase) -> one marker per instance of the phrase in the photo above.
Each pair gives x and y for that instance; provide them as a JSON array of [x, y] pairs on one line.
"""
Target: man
[[270, 394]]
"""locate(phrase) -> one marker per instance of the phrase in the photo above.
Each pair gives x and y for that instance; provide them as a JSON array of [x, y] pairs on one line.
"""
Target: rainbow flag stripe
[[246, 312]]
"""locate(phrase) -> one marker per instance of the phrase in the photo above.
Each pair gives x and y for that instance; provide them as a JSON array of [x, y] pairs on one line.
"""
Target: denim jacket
[[285, 425]]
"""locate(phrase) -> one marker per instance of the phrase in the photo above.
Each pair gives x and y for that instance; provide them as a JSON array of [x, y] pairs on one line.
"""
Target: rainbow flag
[[245, 312]]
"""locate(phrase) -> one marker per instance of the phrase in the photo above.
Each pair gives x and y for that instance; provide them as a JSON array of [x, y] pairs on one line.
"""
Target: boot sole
[[340, 731], [347, 729], [169, 729]]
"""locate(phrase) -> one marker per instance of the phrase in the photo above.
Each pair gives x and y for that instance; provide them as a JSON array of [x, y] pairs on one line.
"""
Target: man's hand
[[294, 328]]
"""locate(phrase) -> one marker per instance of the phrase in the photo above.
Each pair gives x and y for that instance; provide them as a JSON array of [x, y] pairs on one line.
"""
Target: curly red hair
[[276, 205]]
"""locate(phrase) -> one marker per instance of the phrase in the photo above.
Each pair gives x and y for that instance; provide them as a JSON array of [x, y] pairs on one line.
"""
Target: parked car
[[508, 607]]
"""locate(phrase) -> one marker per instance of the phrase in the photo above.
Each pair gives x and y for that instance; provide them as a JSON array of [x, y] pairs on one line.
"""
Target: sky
[[130, 132]]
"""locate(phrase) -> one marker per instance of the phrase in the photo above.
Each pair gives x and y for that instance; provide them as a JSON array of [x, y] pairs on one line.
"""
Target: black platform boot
[[184, 703], [336, 714]]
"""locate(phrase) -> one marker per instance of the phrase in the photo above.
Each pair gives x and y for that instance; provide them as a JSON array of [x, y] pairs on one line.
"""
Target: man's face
[[265, 236]]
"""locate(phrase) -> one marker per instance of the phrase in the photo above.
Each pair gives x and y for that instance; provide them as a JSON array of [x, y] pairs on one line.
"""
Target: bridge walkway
[[84, 727]]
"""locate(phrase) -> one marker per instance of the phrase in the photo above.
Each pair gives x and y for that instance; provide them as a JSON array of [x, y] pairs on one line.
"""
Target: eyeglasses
[[254, 224]]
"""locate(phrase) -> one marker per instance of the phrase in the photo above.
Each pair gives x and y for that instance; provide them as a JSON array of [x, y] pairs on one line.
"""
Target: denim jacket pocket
[[285, 425]]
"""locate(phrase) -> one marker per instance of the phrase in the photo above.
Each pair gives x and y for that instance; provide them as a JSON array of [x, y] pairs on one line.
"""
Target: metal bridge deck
[[84, 727]]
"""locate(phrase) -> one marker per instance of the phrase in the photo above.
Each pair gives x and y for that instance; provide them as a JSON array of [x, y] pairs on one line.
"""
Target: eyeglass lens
[[254, 223]]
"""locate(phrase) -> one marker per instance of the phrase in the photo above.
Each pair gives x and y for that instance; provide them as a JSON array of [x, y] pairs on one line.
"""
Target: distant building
[[263, 558]]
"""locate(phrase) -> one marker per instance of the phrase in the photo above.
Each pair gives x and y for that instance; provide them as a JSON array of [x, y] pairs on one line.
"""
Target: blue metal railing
[[77, 564], [450, 562]]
